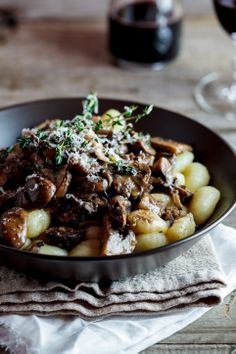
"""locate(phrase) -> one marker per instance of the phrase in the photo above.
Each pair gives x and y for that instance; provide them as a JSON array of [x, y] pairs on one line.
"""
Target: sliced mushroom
[[135, 185], [22, 198], [142, 146], [172, 213], [185, 194], [176, 198], [13, 226], [40, 190], [83, 164], [148, 202], [162, 167], [169, 145], [117, 242], [63, 182], [63, 237], [119, 207], [91, 183]]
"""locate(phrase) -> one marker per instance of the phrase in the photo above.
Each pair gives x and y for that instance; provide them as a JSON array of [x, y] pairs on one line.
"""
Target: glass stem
[[234, 60]]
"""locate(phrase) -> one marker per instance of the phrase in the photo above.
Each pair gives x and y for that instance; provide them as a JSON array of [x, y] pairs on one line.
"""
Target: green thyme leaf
[[78, 123], [59, 156], [90, 104], [129, 110], [61, 123], [24, 141], [146, 111], [99, 125], [124, 169], [63, 146], [42, 135], [5, 152]]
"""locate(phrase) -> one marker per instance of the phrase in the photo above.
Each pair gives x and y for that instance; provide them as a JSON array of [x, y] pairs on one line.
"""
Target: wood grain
[[35, 9]]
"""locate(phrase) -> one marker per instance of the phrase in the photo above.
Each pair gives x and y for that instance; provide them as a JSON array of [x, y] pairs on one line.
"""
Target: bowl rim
[[147, 253]]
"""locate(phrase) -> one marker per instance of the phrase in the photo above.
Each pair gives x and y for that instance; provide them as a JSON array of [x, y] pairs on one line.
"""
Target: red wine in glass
[[226, 13], [139, 32]]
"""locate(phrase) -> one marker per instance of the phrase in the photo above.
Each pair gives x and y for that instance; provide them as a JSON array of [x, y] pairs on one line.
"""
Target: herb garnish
[[66, 138], [62, 146], [99, 125], [124, 169], [61, 123], [24, 141], [90, 105], [146, 111], [5, 152], [41, 135], [128, 115]]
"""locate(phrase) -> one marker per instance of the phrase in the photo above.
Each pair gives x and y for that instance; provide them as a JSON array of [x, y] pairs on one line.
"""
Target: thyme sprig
[[62, 146], [24, 141], [99, 125], [124, 169], [145, 112], [90, 104], [127, 115]]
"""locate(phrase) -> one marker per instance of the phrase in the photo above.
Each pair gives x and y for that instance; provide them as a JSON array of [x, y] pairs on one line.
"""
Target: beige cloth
[[193, 279]]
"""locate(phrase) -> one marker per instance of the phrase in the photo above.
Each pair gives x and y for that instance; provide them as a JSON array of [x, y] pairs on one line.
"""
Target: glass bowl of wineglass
[[214, 93], [144, 33]]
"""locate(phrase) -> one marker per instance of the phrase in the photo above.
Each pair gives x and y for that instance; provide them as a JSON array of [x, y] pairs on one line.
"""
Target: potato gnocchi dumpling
[[89, 248], [196, 176], [52, 251], [149, 241], [181, 228], [38, 221], [203, 203], [183, 160], [162, 198], [94, 186], [143, 222]]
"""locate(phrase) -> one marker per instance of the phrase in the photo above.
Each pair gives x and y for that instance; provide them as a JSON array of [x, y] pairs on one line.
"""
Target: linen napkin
[[115, 335], [193, 279]]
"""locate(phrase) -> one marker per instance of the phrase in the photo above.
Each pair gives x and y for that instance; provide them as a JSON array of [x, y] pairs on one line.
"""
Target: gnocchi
[[143, 222], [181, 228], [196, 176], [183, 160], [162, 198], [150, 241], [89, 248], [38, 221], [180, 179], [52, 251], [203, 203]]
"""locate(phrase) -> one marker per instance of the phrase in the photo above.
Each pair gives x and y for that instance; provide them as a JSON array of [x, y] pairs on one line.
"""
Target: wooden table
[[57, 58]]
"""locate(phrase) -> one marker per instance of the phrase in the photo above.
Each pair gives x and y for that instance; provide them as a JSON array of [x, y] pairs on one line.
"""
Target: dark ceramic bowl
[[209, 149]]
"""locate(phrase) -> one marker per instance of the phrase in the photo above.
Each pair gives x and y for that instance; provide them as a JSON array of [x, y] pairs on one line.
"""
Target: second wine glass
[[214, 93]]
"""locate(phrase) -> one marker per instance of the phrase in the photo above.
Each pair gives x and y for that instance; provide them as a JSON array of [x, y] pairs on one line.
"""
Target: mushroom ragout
[[93, 186]]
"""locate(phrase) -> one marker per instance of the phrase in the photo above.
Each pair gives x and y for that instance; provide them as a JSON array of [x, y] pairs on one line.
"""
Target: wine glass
[[144, 33], [214, 93]]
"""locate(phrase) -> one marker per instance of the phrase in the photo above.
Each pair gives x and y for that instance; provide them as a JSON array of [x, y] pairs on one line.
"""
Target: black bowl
[[209, 148]]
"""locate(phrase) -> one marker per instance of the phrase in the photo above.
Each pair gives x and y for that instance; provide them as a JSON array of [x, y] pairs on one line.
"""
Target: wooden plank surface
[[34, 9], [56, 59]]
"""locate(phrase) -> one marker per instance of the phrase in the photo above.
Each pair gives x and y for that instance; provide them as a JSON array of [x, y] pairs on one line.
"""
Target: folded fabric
[[193, 279]]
